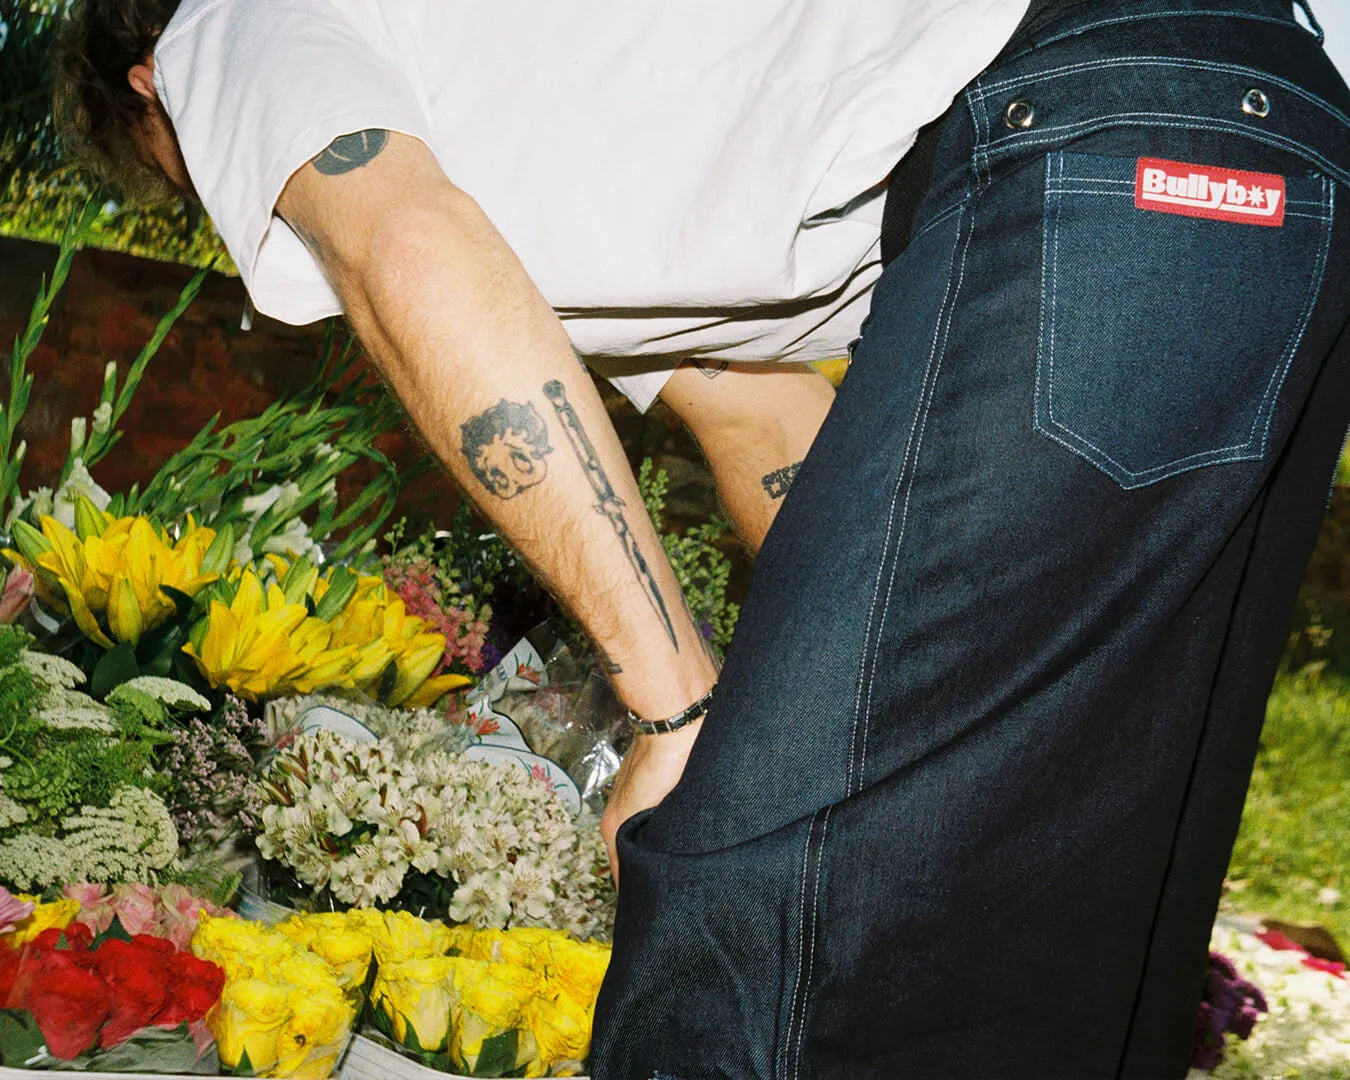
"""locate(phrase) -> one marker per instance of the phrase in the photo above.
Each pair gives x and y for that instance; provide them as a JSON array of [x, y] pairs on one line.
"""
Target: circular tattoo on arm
[[348, 152]]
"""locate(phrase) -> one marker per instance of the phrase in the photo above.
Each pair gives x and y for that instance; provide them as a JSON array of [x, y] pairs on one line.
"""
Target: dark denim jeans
[[964, 802]]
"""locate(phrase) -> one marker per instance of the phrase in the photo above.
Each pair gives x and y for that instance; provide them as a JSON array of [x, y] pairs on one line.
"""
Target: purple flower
[[1229, 1003]]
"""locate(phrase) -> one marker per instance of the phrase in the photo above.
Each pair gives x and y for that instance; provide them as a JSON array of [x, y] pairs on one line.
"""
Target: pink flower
[[17, 592], [96, 910], [136, 906], [12, 910]]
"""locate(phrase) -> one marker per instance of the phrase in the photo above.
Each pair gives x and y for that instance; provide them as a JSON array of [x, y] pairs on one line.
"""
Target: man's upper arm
[[343, 201]]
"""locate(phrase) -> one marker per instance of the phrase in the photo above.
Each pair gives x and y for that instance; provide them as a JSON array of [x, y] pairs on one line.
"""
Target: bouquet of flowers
[[385, 823], [113, 1002], [487, 1002], [78, 788], [284, 1010]]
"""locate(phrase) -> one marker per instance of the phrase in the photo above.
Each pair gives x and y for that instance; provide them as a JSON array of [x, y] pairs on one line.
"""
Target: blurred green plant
[[701, 568], [40, 192], [1292, 856]]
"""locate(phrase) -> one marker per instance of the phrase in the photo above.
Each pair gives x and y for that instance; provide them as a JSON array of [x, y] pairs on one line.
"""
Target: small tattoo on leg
[[776, 483], [348, 152], [710, 368], [505, 447]]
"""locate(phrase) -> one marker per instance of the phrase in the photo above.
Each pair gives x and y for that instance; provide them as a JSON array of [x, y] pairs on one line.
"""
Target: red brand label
[[1205, 191]]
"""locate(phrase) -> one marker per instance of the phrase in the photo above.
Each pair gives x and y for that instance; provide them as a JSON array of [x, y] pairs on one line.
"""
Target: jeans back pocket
[[1165, 336]]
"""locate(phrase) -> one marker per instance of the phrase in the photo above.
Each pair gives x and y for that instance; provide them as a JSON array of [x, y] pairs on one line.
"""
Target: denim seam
[[983, 91], [867, 675], [980, 119], [1127, 195], [1164, 14], [930, 394], [1067, 437], [940, 217], [786, 1051], [1171, 120], [1277, 378], [1048, 325], [807, 954]]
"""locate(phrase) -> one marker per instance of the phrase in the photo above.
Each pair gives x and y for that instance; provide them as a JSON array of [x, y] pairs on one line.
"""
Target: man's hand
[[649, 770]]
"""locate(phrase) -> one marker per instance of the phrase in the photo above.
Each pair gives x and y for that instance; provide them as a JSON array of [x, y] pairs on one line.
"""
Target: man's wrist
[[665, 726]]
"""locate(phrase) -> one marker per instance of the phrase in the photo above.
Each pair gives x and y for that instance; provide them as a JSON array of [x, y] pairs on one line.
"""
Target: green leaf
[[245, 1067], [498, 1055], [182, 602], [115, 932], [341, 588], [218, 555], [117, 665], [20, 1039]]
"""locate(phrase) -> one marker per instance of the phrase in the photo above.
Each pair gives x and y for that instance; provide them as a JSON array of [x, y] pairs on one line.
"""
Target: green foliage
[[65, 751], [701, 568], [1292, 856], [13, 640], [298, 446], [20, 379]]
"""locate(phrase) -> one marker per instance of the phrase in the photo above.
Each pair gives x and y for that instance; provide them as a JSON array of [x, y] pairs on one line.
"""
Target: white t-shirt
[[680, 178]]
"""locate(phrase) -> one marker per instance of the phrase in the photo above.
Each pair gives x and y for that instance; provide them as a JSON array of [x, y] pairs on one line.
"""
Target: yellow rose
[[416, 994], [576, 968], [316, 1031], [57, 913], [342, 942], [489, 1001], [247, 1019], [403, 936], [523, 946], [563, 1031]]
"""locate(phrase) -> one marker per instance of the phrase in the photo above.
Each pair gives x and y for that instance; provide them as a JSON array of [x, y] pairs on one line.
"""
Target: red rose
[[196, 986], [76, 937], [69, 1003], [9, 968], [155, 944], [139, 979]]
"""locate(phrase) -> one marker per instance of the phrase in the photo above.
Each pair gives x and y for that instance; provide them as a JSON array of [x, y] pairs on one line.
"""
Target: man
[[962, 804]]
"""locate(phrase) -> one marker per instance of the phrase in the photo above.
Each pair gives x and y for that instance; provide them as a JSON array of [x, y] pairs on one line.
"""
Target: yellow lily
[[111, 572]]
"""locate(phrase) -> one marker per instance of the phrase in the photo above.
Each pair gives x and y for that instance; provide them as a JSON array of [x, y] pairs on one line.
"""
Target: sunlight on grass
[[1292, 857]]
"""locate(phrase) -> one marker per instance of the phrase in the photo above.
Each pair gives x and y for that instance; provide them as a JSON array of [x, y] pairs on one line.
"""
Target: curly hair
[[95, 107]]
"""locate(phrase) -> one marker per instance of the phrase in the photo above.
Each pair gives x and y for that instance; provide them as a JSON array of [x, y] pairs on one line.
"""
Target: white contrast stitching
[[1315, 290], [927, 404], [815, 922], [1156, 120], [797, 983]]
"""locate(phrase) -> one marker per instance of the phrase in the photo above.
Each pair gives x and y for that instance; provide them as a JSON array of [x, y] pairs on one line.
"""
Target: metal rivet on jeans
[[1019, 114], [1255, 103]]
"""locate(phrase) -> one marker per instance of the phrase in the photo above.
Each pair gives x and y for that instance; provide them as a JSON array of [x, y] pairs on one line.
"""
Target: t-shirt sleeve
[[255, 89]]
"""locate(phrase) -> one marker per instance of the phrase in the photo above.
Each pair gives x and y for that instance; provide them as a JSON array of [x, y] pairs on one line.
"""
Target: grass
[[1292, 857]]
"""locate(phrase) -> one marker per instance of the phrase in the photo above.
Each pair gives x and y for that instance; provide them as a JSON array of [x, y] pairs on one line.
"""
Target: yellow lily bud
[[124, 612], [89, 519], [31, 543]]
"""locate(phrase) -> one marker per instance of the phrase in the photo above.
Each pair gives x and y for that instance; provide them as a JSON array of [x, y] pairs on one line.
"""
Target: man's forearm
[[489, 378]]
